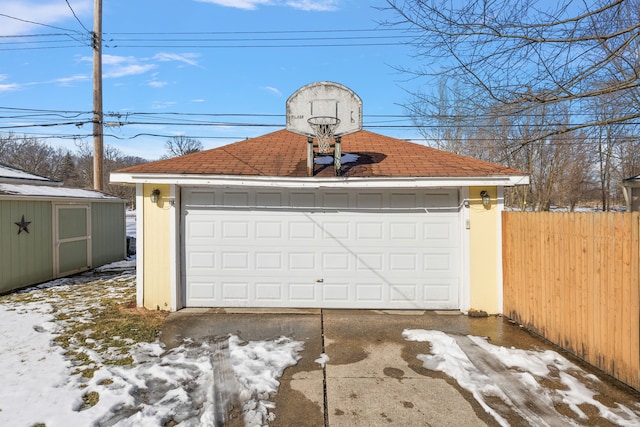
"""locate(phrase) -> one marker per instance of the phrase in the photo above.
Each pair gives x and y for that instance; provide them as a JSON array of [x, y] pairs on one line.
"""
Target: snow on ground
[[84, 383], [130, 218], [543, 379], [41, 384]]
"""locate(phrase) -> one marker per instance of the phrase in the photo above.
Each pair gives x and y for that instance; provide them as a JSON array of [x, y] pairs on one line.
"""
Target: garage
[[323, 248], [320, 214]]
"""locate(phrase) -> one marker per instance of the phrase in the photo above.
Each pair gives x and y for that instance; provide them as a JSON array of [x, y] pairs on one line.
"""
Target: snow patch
[[39, 384], [328, 160], [322, 360], [515, 376]]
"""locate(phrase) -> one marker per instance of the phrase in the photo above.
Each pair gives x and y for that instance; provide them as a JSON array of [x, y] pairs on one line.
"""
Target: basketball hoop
[[324, 126]]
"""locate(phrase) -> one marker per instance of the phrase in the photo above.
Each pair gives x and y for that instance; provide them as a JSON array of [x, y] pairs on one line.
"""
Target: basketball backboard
[[324, 99]]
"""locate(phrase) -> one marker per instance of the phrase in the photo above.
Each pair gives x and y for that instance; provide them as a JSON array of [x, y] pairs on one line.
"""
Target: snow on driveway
[[40, 384], [531, 384]]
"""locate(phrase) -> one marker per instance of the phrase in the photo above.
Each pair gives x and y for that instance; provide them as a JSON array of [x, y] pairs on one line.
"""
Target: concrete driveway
[[374, 376]]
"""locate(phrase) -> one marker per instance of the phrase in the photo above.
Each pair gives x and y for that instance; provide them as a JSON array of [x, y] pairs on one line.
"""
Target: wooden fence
[[573, 278]]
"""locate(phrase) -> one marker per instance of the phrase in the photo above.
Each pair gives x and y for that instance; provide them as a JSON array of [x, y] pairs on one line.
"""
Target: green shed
[[48, 231]]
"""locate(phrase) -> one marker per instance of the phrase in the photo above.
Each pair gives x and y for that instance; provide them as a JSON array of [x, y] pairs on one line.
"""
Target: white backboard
[[324, 99]]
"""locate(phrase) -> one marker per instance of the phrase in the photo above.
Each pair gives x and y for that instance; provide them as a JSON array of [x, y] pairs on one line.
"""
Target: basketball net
[[324, 126]]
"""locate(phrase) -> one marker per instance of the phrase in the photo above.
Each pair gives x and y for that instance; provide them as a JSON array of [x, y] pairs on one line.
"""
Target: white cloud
[[308, 5], [187, 58], [239, 4], [314, 5], [50, 12], [162, 105], [121, 66], [9, 87], [6, 87], [66, 81], [273, 90], [157, 83], [62, 81]]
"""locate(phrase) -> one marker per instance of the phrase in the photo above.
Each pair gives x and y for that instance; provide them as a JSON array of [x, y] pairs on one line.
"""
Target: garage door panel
[[440, 293], [370, 292], [439, 233], [201, 229], [337, 292], [302, 261], [268, 198], [403, 200], [335, 230], [370, 262], [407, 292], [274, 257], [203, 291], [369, 200], [302, 199], [268, 230], [402, 262], [304, 293], [336, 200], [235, 198], [235, 291], [370, 230], [269, 291], [234, 229], [299, 230], [335, 261], [440, 263], [269, 261], [235, 260], [403, 231]]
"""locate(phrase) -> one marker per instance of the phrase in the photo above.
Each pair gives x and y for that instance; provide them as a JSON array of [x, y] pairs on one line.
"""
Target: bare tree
[[181, 145], [30, 154], [513, 56], [113, 160]]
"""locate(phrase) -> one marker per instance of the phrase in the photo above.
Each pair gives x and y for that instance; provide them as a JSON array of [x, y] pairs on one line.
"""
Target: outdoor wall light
[[154, 195], [486, 199]]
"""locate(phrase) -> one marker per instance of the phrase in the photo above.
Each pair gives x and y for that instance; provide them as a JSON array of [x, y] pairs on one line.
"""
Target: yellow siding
[[157, 290], [484, 251]]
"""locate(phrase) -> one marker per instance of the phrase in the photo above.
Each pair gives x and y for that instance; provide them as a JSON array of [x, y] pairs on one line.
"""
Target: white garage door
[[322, 248]]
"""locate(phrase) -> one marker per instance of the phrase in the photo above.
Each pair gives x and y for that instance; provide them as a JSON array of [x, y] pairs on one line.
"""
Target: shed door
[[72, 239], [323, 248]]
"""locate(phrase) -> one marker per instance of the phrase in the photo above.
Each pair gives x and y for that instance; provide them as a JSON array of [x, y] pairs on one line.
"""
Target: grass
[[115, 326], [97, 319]]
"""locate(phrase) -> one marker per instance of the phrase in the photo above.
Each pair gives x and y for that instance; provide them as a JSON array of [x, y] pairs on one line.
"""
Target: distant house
[[47, 231], [273, 222], [631, 191]]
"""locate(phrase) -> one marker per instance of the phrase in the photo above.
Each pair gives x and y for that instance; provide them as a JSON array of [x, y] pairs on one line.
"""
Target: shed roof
[[49, 192], [284, 153], [15, 175], [16, 183]]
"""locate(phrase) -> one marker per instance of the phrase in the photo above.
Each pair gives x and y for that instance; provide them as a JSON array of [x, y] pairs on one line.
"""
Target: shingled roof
[[283, 154]]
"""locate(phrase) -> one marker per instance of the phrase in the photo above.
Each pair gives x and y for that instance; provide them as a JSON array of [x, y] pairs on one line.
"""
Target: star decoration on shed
[[22, 225]]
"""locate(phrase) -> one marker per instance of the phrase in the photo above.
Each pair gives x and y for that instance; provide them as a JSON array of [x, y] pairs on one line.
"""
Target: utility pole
[[98, 146]]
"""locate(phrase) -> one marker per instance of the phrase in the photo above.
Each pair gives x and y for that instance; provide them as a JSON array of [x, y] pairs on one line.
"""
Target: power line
[[307, 31], [258, 46], [39, 23], [76, 16]]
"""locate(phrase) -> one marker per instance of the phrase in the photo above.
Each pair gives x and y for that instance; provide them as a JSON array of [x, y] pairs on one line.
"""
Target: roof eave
[[318, 182], [61, 199], [29, 181]]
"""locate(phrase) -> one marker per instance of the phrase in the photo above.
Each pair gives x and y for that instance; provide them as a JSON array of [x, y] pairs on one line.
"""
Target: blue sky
[[192, 58]]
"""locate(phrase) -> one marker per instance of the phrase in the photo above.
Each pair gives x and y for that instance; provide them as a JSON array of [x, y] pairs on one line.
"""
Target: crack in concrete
[[324, 373]]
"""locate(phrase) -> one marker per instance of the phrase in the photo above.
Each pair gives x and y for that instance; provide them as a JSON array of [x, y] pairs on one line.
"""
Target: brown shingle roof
[[283, 154]]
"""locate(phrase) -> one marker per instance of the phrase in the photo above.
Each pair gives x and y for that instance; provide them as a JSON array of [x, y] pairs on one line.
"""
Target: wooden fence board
[[574, 278]]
